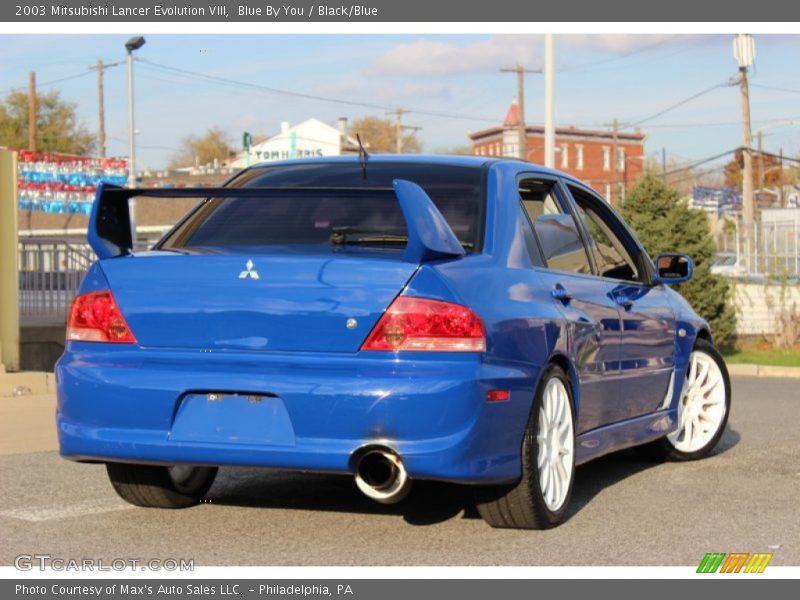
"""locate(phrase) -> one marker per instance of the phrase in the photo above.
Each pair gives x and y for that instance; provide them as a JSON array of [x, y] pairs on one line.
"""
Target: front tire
[[703, 409], [150, 486], [540, 498]]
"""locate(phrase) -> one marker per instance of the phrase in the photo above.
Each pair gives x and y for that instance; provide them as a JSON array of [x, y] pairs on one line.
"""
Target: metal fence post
[[9, 266]]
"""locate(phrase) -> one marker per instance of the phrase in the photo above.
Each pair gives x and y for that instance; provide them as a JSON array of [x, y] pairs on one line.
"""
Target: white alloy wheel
[[556, 444], [701, 411]]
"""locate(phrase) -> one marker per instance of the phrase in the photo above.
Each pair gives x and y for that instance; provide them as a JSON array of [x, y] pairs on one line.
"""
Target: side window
[[556, 232], [610, 254]]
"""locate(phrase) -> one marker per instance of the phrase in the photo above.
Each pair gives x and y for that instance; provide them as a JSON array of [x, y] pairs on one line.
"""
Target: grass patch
[[760, 353]]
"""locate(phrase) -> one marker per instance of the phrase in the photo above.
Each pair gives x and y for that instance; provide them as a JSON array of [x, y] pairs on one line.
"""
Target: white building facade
[[311, 138]]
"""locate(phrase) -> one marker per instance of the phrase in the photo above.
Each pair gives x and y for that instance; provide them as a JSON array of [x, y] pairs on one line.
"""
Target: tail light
[[422, 325], [95, 317]]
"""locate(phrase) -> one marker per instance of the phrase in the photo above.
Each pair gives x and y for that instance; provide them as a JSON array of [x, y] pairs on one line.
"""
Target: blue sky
[[599, 78]]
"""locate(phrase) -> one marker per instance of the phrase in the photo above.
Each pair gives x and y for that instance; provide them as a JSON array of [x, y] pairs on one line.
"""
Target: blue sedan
[[485, 322]]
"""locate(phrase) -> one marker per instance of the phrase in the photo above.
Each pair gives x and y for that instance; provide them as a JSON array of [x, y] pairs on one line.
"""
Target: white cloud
[[363, 88], [435, 57]]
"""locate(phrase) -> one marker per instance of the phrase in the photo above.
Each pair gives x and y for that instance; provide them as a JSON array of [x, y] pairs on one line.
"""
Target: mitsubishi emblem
[[249, 271]]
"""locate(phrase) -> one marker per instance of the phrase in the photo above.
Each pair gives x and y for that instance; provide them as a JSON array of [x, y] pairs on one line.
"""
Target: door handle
[[560, 293]]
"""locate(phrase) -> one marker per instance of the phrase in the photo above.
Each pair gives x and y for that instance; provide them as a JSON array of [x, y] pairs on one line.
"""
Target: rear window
[[316, 217]]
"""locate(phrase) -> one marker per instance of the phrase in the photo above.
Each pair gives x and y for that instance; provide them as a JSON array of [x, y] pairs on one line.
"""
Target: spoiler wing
[[429, 235]]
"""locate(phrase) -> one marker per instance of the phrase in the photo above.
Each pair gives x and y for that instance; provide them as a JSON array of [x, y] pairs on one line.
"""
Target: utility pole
[[663, 164], [522, 128], [549, 102], [614, 152], [399, 128], [748, 209], [101, 112], [32, 110], [744, 51], [101, 67], [760, 137]]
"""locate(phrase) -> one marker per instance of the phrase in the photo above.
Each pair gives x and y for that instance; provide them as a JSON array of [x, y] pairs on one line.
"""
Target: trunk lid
[[286, 300]]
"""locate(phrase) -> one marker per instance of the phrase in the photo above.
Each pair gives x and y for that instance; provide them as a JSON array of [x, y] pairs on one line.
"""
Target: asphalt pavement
[[624, 510]]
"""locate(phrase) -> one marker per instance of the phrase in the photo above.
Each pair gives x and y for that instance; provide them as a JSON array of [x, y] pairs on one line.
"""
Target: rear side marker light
[[423, 325], [95, 317], [498, 395]]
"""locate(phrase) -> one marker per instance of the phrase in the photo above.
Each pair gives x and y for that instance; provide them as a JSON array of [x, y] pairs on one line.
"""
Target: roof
[[561, 131], [512, 121], [512, 116]]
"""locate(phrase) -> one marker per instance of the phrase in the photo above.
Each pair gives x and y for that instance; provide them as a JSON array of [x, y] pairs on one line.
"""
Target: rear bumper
[[294, 411]]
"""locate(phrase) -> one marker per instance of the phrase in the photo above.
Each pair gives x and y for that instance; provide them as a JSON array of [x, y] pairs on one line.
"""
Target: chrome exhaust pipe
[[380, 475]]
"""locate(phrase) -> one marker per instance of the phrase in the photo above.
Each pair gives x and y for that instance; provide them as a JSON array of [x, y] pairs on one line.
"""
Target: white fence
[[760, 305]]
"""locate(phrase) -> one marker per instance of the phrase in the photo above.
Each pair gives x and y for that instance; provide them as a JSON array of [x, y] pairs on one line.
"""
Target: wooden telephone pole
[[614, 161], [32, 110], [522, 143], [101, 111], [101, 67], [399, 128]]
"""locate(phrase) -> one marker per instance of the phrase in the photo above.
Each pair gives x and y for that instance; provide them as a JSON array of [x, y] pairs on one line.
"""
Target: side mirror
[[673, 268]]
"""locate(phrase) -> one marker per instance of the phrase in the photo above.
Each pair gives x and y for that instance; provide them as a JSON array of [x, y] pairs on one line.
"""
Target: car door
[[586, 301], [647, 340]]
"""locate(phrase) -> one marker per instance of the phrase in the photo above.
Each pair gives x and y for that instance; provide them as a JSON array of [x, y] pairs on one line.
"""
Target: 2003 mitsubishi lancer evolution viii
[[470, 320]]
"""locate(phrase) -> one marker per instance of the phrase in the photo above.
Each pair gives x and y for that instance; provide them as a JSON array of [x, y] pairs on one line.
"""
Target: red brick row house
[[585, 153]]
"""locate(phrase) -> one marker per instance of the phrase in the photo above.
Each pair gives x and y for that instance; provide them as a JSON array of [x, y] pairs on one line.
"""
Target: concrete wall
[[759, 304], [41, 346]]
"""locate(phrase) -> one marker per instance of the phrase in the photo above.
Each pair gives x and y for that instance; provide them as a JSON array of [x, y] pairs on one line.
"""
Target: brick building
[[584, 153]]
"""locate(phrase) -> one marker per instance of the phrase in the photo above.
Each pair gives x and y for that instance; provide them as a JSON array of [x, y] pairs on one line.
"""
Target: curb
[[764, 371], [26, 383]]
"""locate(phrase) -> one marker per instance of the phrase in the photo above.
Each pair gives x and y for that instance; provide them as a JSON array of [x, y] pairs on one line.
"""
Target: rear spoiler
[[429, 235]]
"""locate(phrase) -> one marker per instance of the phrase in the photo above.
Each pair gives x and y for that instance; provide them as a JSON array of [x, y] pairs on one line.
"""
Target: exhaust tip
[[381, 476]]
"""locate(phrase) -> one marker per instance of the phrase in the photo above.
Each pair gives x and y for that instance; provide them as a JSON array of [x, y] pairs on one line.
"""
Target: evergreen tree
[[664, 223]]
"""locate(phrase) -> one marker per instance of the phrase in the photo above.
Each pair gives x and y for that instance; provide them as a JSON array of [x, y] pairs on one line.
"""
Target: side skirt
[[625, 434]]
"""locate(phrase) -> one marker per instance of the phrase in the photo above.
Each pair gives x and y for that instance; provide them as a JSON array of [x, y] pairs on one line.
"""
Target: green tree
[[57, 126], [380, 135], [665, 223], [202, 150]]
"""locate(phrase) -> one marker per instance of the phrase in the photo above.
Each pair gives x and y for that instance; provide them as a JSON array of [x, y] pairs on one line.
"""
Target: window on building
[[607, 193], [620, 159], [606, 158], [564, 156], [579, 157], [621, 191]]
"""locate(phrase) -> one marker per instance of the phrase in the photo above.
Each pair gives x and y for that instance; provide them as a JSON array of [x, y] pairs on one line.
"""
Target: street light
[[132, 44]]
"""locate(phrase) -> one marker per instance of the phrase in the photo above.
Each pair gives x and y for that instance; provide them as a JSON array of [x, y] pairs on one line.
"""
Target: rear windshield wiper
[[356, 235]]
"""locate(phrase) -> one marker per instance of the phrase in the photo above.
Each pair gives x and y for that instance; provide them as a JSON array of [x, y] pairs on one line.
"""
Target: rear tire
[[152, 486], [703, 410], [540, 498]]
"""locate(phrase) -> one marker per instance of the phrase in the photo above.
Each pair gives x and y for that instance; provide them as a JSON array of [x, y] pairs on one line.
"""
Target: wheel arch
[[563, 361]]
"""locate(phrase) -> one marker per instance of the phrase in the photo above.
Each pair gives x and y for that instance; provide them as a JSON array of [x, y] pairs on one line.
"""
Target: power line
[[316, 97], [51, 82], [702, 161], [787, 120], [260, 87], [581, 66], [776, 88], [727, 83]]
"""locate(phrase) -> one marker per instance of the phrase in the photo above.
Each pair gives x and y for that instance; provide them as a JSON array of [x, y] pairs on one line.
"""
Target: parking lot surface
[[624, 511]]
